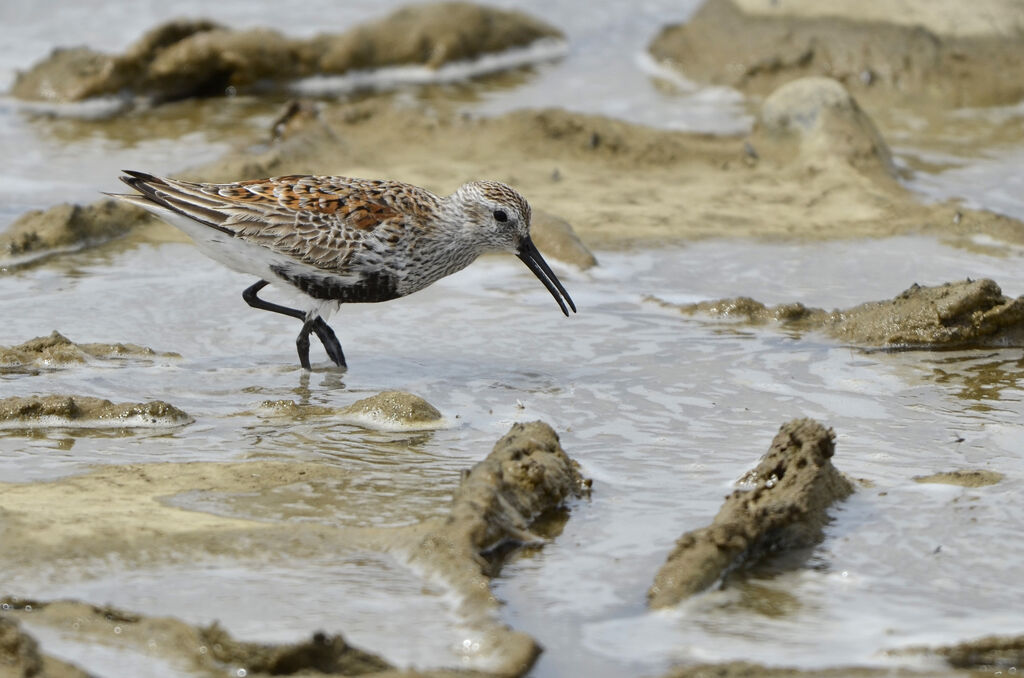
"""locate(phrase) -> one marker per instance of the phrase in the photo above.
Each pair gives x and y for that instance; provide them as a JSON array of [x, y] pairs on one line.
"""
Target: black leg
[[250, 298], [302, 344], [330, 341], [318, 325]]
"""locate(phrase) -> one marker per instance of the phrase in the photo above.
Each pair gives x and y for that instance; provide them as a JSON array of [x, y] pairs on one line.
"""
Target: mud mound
[[795, 484]]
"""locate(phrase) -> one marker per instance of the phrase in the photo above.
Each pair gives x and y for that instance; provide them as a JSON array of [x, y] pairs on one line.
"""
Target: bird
[[340, 240]]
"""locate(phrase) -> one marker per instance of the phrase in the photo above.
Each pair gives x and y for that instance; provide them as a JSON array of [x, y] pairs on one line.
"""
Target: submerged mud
[[56, 349], [794, 485], [84, 411], [964, 478], [192, 58], [944, 53], [965, 314], [752, 670]]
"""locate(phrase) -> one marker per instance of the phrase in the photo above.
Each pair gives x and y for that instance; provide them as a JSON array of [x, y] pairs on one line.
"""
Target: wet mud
[[795, 483], [57, 350], [196, 58], [86, 412], [918, 54], [965, 314], [126, 513]]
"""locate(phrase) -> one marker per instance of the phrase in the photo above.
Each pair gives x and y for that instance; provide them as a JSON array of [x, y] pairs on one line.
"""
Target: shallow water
[[664, 412]]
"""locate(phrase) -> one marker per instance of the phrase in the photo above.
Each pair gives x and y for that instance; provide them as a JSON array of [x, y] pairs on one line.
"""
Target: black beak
[[532, 258]]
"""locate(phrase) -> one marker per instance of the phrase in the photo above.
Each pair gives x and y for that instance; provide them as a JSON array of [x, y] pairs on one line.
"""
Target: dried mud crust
[[794, 485], [121, 512], [56, 349], [965, 314], [64, 410], [200, 58], [920, 53]]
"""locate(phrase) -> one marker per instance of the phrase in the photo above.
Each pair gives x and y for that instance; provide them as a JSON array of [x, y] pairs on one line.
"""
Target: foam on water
[[140, 421]]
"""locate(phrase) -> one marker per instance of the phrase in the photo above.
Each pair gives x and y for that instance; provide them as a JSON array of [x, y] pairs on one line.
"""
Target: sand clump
[[195, 58], [794, 485], [912, 53], [964, 314]]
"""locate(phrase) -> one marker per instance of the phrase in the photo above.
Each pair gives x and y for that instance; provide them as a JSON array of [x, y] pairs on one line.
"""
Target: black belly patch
[[372, 288]]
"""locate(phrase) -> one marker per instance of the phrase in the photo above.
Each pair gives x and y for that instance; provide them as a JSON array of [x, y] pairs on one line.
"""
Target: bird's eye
[[500, 216]]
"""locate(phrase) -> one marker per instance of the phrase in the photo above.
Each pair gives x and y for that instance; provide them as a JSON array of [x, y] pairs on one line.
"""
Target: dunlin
[[342, 240]]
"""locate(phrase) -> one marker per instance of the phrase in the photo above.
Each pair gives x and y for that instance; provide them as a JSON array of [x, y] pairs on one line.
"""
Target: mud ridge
[[56, 349], [196, 58]]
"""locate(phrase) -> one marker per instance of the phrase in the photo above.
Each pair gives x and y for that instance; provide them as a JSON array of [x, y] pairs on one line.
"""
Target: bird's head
[[497, 218]]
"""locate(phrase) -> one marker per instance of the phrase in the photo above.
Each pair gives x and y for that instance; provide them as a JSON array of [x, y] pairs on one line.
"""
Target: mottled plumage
[[343, 240]]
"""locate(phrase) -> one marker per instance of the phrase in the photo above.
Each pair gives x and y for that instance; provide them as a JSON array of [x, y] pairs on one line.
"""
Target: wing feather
[[330, 223]]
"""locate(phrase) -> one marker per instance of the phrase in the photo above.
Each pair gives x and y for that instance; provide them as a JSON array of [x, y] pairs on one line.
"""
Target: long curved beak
[[535, 262]]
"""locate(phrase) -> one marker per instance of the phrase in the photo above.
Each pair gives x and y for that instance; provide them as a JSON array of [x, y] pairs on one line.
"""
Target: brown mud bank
[[965, 314], [794, 485], [190, 58], [127, 514], [921, 52], [814, 168]]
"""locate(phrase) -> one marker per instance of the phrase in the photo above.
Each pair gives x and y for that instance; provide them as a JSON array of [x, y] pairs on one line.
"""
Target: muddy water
[[663, 412]]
